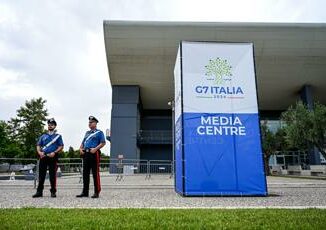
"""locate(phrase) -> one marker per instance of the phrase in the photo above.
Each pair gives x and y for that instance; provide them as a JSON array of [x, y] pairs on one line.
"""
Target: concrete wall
[[125, 121]]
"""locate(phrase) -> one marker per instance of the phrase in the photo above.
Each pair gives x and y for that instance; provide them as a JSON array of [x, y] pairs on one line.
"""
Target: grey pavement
[[158, 192]]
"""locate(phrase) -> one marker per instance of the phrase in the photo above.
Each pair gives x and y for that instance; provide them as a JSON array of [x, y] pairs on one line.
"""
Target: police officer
[[90, 150], [48, 147]]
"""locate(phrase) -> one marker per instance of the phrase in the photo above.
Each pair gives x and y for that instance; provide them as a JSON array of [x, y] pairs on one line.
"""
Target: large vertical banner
[[217, 133]]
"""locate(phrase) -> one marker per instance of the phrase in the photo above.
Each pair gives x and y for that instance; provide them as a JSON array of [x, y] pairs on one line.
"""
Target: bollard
[[148, 175], [12, 176]]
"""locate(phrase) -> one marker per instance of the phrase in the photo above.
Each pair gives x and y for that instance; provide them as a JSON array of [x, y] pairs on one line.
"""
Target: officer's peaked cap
[[52, 121], [92, 118]]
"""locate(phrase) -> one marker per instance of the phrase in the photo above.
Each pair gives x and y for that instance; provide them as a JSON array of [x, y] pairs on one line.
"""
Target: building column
[[125, 121], [307, 98]]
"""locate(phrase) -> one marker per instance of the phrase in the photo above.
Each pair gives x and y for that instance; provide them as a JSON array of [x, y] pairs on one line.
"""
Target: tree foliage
[[8, 147], [306, 127], [71, 153], [21, 132], [272, 142]]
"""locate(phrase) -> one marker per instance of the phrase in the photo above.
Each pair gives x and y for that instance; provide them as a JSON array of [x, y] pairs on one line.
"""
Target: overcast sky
[[55, 49]]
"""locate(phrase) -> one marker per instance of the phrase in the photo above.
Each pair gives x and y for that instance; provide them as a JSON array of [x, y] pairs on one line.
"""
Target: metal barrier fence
[[285, 158], [27, 168]]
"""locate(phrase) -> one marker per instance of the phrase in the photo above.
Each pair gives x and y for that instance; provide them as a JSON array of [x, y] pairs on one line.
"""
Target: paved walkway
[[158, 192]]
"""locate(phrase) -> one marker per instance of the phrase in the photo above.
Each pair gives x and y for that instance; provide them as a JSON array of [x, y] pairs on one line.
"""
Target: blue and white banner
[[217, 135]]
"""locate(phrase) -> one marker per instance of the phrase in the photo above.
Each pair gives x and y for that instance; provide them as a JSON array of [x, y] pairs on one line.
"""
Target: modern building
[[290, 64]]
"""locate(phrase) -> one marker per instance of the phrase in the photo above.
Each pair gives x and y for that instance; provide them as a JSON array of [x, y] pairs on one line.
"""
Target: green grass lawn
[[35, 218]]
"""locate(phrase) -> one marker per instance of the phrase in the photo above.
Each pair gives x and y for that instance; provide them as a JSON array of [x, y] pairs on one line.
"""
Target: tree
[[8, 148], [73, 153], [271, 142], [306, 127], [28, 125], [3, 135]]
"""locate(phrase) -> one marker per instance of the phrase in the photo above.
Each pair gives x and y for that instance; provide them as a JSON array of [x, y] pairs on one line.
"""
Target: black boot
[[38, 194], [82, 195], [95, 195], [53, 194]]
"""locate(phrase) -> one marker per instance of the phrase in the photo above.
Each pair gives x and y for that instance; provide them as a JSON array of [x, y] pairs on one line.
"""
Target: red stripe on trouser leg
[[55, 175], [98, 172]]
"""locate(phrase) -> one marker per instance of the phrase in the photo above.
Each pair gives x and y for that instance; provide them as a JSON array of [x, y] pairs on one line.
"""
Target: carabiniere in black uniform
[[90, 147]]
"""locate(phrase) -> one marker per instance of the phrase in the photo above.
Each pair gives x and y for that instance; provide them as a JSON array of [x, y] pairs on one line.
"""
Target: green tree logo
[[218, 69]]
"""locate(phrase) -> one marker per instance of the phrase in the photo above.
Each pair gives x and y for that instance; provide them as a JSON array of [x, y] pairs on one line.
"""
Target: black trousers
[[91, 163], [45, 163]]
